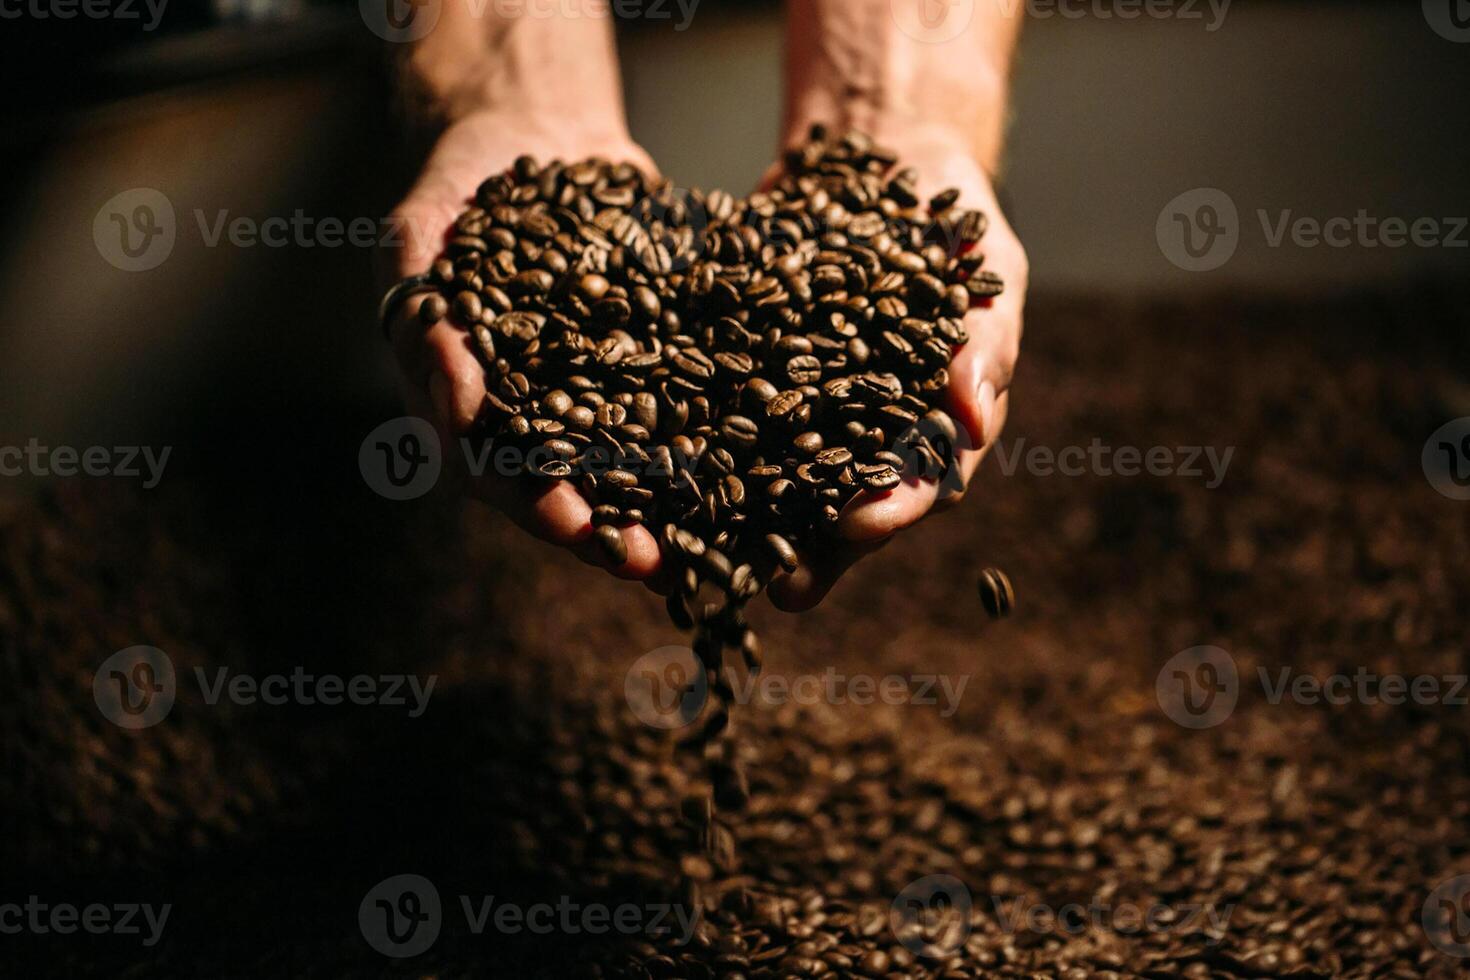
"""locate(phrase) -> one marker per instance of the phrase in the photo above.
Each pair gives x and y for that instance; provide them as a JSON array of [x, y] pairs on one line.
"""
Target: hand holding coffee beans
[[726, 374], [737, 368]]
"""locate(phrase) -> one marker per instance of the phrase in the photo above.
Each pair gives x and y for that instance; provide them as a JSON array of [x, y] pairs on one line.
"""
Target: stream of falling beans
[[729, 372]]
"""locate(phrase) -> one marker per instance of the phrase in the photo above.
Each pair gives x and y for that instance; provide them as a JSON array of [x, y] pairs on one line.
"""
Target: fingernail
[[439, 395], [986, 397]]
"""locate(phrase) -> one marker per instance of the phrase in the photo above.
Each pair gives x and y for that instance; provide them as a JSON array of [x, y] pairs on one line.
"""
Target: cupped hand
[[442, 378], [977, 397]]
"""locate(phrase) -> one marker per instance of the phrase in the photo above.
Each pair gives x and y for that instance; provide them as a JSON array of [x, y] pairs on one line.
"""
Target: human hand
[[980, 375], [442, 379]]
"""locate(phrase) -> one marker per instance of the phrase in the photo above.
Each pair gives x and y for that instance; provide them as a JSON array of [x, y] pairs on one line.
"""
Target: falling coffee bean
[[996, 593]]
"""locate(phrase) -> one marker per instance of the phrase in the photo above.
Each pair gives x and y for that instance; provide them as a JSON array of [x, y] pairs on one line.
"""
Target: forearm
[[557, 71], [850, 63]]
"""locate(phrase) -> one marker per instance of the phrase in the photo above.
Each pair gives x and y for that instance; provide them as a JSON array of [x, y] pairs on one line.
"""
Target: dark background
[[1324, 109], [1325, 549]]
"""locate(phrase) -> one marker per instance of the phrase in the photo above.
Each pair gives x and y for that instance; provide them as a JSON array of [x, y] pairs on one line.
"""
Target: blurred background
[[1322, 367], [258, 109]]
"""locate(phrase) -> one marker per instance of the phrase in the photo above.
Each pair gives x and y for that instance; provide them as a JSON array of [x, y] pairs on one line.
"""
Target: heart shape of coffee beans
[[728, 371]]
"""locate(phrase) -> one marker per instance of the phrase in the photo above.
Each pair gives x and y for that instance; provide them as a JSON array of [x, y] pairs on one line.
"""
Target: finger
[[818, 572], [982, 369], [873, 516], [555, 512]]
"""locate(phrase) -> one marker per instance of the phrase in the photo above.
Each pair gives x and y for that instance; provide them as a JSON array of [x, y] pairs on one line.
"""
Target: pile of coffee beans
[[728, 372]]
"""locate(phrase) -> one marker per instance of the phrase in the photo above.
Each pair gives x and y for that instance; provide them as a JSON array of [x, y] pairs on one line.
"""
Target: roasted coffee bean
[[781, 550], [834, 458], [610, 539], [467, 308], [739, 431], [996, 593], [808, 443], [433, 309], [879, 477], [580, 417], [944, 201], [804, 370], [985, 285]]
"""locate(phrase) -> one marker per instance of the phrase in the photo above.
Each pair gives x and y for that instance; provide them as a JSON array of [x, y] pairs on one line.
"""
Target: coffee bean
[[808, 443], [880, 477], [739, 431], [996, 593], [467, 308], [610, 539], [433, 309], [804, 370], [985, 285], [781, 550], [944, 201]]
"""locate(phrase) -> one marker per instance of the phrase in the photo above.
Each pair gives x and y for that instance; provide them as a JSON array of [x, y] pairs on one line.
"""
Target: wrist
[[851, 65], [517, 67]]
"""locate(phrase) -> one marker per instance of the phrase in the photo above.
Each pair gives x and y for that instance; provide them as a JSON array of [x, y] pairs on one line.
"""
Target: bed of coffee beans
[[729, 372], [1323, 828]]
